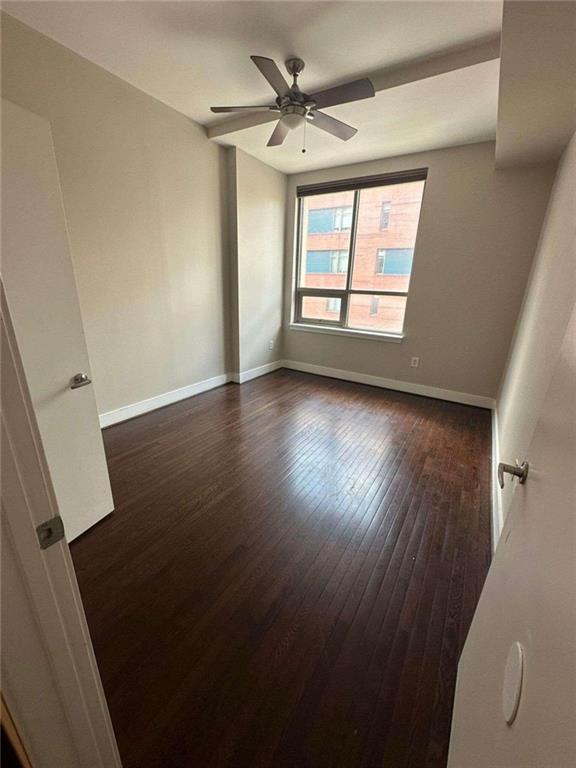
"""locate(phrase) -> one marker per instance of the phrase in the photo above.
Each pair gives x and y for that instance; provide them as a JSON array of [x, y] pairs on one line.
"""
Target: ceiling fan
[[296, 107]]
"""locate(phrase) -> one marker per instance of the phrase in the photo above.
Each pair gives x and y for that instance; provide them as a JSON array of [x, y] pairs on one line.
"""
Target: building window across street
[[385, 214], [326, 262], [335, 219], [352, 268], [332, 305], [394, 261]]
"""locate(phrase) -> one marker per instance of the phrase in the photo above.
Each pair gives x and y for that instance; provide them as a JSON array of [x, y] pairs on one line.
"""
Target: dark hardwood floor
[[289, 575]]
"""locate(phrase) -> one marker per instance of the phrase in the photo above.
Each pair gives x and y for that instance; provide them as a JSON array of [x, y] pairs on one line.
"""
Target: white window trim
[[352, 333]]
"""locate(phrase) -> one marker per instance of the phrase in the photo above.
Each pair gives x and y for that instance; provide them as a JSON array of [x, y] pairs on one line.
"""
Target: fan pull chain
[[304, 140]]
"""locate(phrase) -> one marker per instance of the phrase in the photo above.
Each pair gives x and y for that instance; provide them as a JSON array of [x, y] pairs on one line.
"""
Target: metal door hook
[[79, 380], [517, 470]]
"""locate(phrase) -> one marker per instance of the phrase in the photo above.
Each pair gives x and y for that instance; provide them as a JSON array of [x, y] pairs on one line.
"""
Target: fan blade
[[271, 107], [272, 74], [278, 135], [333, 126], [342, 94]]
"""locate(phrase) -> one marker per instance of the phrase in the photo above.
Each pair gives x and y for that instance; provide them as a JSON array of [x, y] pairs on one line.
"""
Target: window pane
[[376, 313], [386, 235], [321, 308], [326, 222]]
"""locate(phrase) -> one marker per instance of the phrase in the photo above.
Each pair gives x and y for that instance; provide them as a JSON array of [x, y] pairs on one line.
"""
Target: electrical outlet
[[414, 362], [271, 345]]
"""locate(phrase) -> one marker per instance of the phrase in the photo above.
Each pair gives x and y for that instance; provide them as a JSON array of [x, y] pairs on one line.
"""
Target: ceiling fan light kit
[[293, 116], [297, 108]]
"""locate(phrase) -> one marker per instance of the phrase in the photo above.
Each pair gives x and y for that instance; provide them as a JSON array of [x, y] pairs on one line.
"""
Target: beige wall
[[476, 240], [259, 197], [143, 194], [550, 298]]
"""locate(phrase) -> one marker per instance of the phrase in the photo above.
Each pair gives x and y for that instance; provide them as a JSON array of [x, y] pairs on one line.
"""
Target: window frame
[[300, 292]]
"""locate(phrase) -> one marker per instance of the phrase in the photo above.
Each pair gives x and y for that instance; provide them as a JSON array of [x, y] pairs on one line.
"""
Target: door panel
[[50, 679], [529, 597], [41, 293]]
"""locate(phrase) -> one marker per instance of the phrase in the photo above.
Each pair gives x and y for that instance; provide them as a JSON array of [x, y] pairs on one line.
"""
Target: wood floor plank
[[289, 575]]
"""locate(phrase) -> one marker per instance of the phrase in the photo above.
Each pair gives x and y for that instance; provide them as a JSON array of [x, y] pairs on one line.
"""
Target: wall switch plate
[[414, 362], [271, 344]]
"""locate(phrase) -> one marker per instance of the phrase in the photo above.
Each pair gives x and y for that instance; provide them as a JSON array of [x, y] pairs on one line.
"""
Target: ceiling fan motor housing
[[296, 97], [295, 102]]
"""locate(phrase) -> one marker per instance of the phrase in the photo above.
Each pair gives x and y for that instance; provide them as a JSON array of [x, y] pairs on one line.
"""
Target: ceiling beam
[[439, 64], [384, 79]]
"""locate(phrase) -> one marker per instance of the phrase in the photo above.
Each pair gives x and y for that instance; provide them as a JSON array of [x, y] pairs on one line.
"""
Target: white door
[[41, 292], [50, 680], [529, 598]]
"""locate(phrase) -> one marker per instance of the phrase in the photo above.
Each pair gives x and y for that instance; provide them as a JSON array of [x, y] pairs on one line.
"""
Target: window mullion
[[298, 312], [351, 252], [299, 237], [344, 309]]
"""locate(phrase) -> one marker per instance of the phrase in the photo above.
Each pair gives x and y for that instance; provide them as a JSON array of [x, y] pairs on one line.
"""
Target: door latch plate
[[50, 531]]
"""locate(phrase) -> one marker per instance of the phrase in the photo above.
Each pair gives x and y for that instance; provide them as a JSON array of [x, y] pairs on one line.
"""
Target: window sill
[[396, 338]]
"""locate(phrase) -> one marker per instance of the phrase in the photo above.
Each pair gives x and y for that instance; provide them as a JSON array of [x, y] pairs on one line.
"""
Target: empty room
[[288, 384]]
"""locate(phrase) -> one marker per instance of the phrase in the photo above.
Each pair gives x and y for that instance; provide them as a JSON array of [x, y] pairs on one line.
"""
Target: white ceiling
[[400, 121], [192, 55]]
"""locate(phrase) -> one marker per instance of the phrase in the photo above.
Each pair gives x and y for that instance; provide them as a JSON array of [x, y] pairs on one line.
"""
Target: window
[[337, 219], [385, 214], [394, 261], [324, 262], [339, 262], [332, 305], [353, 270]]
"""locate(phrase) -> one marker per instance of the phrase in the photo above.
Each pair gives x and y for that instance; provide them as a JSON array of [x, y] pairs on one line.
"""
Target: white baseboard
[[253, 373], [159, 401], [497, 515], [402, 386]]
